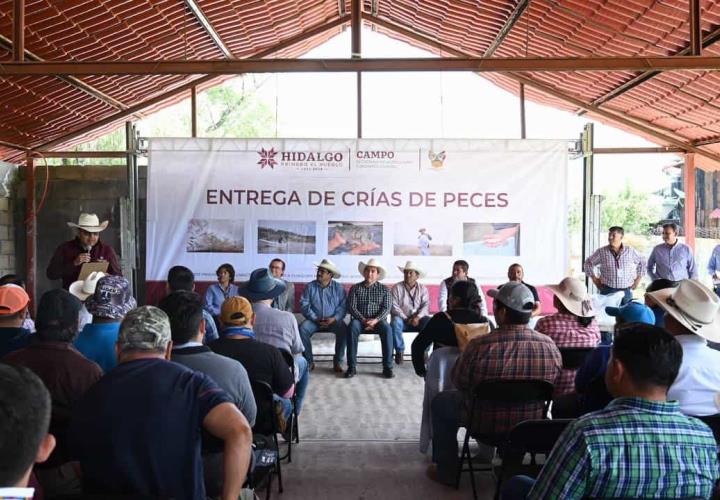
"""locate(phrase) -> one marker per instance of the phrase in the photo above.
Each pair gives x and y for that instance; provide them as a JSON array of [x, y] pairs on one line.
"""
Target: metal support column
[[695, 28], [129, 211], [588, 220], [356, 53], [689, 188], [193, 111], [30, 234], [523, 132], [19, 30]]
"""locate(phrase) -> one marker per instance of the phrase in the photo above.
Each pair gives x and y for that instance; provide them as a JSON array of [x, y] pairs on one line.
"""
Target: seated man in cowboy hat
[[369, 303], [275, 327], [411, 300], [85, 247], [692, 315], [324, 306]]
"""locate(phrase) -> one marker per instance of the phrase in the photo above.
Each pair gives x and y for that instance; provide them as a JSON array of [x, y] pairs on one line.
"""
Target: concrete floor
[[359, 437]]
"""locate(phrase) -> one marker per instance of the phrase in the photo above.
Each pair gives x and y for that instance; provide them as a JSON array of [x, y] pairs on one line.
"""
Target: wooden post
[[19, 31], [193, 111], [689, 188]]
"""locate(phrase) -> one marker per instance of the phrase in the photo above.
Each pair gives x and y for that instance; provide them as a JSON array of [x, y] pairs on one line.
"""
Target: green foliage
[[635, 211], [233, 110]]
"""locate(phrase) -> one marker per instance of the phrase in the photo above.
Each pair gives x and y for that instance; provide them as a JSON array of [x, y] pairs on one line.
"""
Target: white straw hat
[[84, 289], [573, 295], [89, 223], [382, 272], [694, 306], [328, 265], [411, 266]]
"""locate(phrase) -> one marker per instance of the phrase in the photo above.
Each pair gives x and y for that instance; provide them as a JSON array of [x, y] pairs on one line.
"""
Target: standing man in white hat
[[369, 304], [324, 306], [85, 247], [693, 317], [410, 312]]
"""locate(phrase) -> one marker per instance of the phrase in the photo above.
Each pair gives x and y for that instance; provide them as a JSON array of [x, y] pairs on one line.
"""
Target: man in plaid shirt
[[621, 267], [369, 304], [640, 445], [512, 351]]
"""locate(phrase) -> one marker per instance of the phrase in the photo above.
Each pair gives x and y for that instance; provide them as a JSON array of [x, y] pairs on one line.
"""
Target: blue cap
[[633, 312]]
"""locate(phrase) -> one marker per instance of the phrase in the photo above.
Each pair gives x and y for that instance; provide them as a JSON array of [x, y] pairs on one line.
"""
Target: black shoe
[[398, 358], [388, 373], [312, 366], [350, 373]]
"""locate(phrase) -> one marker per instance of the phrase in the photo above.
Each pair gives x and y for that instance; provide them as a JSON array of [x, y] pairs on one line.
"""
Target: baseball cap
[[236, 311], [57, 309], [12, 299], [632, 312], [514, 295], [145, 328]]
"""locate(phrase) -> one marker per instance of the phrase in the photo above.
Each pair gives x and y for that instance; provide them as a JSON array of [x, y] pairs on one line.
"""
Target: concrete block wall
[[7, 236]]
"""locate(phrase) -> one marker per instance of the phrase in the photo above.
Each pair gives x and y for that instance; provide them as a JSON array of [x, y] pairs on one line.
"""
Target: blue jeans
[[308, 329], [445, 410], [627, 297], [303, 368], [399, 326], [286, 404], [383, 329], [516, 488]]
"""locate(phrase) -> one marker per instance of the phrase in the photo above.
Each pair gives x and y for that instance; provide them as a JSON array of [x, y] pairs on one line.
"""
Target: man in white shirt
[[409, 312], [693, 317]]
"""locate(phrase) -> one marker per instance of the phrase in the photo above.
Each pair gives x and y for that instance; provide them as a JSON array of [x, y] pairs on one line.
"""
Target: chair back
[[514, 391], [289, 359], [713, 421], [266, 419], [573, 357], [536, 436]]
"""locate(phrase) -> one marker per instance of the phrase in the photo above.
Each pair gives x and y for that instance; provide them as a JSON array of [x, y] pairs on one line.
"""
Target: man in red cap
[[13, 305]]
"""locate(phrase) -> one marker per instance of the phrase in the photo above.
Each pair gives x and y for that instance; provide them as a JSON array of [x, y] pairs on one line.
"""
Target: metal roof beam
[[7, 44], [204, 80], [208, 27], [708, 40], [505, 31], [476, 64]]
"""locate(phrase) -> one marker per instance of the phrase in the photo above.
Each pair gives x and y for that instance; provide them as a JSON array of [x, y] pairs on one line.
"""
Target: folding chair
[[533, 437], [573, 357], [293, 433], [266, 425], [500, 392]]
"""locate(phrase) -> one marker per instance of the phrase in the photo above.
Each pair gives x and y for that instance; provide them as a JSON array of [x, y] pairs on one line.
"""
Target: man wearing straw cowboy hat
[[85, 247], [693, 317], [410, 306], [369, 303], [324, 306]]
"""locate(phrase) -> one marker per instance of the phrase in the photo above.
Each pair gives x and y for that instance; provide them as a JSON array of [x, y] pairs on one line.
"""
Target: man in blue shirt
[[108, 305], [714, 269], [137, 431], [671, 260], [324, 306]]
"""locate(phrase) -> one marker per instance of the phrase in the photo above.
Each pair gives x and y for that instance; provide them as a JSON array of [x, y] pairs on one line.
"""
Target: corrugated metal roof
[[34, 111]]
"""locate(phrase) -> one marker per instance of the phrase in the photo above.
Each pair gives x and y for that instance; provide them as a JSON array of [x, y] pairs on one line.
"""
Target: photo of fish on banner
[[355, 238], [484, 238], [215, 236]]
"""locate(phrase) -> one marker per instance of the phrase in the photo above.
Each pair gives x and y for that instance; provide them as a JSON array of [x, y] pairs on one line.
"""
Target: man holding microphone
[[86, 247]]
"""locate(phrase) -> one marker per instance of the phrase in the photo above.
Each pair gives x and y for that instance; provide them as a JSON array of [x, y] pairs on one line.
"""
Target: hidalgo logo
[[437, 159], [267, 158]]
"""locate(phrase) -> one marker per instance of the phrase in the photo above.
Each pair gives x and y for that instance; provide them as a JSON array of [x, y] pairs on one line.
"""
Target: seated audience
[[590, 391], [136, 432], [324, 306], [109, 303], [517, 273], [691, 315], [262, 361], [409, 312], [641, 445], [14, 279], [513, 351], [13, 309], [188, 328], [182, 278], [659, 312], [369, 304], [286, 300], [24, 439], [66, 373], [276, 327], [440, 331], [216, 293], [573, 325], [459, 273]]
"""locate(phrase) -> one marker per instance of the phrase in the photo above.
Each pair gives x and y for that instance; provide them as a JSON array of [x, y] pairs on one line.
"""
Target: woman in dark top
[[439, 331]]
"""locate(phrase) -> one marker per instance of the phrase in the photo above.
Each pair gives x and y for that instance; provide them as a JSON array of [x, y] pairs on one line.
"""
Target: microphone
[[88, 248]]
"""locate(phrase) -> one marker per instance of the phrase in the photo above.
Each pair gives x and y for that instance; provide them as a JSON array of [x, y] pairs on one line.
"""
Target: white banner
[[490, 202]]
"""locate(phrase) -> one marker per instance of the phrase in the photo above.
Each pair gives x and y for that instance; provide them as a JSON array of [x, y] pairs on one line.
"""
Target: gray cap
[[145, 328], [514, 295]]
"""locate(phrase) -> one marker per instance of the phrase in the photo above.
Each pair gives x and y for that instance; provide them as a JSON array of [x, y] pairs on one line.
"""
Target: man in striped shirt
[[621, 267], [640, 445], [369, 304]]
